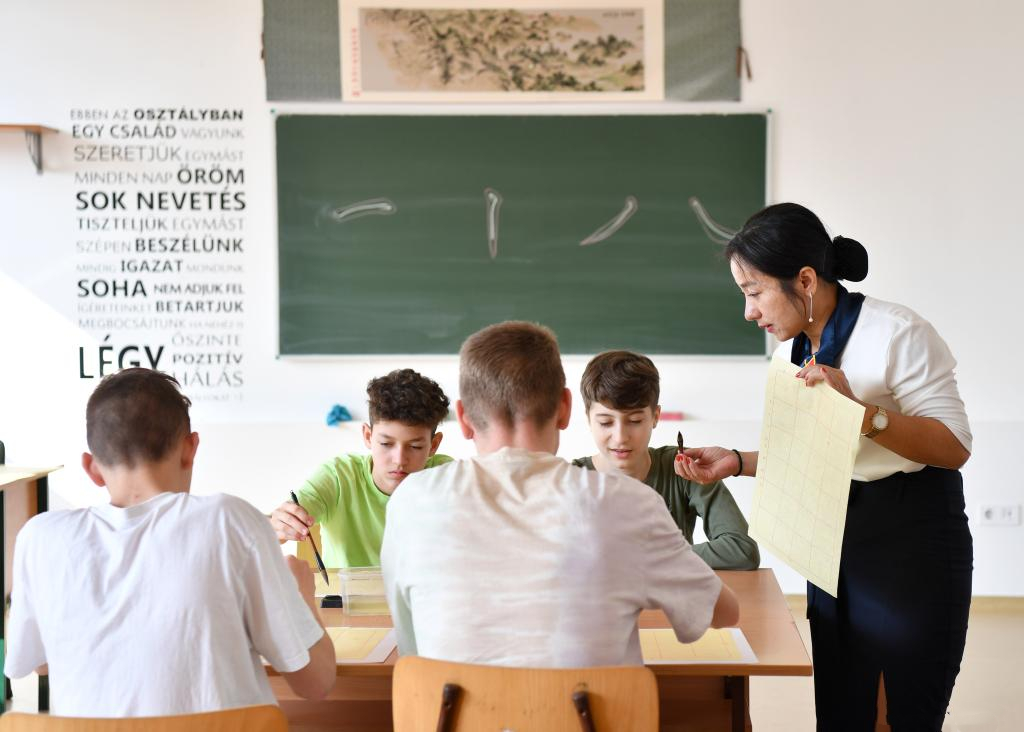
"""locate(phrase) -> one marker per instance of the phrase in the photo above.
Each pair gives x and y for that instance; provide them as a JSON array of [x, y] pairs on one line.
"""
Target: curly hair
[[407, 397]]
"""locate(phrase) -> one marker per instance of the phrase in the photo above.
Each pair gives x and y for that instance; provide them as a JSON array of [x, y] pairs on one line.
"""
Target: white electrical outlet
[[999, 515]]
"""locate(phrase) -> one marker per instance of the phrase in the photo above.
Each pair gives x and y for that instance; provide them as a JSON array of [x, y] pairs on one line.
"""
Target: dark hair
[[136, 416], [407, 397], [620, 380], [782, 239], [509, 372]]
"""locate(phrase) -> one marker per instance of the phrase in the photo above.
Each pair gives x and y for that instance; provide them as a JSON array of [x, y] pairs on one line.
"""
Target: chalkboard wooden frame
[[402, 234]]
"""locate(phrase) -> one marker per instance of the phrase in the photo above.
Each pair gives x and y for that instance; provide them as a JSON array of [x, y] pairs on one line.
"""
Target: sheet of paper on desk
[[809, 440], [723, 645], [321, 588], [362, 645]]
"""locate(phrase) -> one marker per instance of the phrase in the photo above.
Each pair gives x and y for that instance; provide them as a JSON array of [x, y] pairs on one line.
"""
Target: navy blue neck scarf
[[836, 334]]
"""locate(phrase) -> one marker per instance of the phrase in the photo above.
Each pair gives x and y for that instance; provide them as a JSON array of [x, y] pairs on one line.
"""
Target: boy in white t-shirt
[[159, 602], [517, 558]]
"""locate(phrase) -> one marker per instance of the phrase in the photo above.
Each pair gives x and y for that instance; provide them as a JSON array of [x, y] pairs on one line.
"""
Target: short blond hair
[[509, 372]]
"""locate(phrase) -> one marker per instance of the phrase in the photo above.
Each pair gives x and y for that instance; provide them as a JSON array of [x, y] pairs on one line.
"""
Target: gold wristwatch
[[879, 421]]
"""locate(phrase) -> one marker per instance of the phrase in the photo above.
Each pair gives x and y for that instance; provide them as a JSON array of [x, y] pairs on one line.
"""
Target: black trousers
[[904, 596]]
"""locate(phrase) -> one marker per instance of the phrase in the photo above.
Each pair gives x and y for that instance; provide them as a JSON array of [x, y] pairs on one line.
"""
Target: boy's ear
[[435, 442], [92, 469], [460, 416], [367, 431], [189, 447], [657, 414], [564, 409]]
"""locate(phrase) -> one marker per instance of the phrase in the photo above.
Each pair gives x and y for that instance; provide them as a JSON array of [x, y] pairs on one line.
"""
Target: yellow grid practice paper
[[362, 645], [723, 645], [320, 588], [809, 440]]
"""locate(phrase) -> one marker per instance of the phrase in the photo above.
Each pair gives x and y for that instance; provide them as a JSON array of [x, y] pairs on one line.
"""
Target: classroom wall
[[897, 123]]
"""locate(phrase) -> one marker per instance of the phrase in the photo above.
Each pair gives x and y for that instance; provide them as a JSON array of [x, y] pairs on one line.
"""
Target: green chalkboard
[[404, 234]]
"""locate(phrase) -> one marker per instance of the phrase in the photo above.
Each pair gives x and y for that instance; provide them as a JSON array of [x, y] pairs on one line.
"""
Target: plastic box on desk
[[362, 591]]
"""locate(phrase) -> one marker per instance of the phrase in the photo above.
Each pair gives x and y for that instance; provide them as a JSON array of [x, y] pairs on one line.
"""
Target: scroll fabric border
[[303, 58], [508, 51]]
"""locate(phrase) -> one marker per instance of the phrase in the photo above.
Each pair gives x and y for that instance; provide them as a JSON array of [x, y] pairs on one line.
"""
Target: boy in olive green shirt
[[348, 495], [620, 392]]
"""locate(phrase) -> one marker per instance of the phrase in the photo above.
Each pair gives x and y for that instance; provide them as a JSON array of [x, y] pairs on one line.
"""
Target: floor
[[986, 697], [989, 693]]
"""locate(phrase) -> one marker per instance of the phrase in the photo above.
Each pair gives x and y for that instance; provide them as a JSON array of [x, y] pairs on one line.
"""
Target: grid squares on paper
[[809, 441], [358, 644], [722, 645]]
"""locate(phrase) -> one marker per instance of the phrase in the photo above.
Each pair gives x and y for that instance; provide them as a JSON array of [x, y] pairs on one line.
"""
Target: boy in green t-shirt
[[620, 393], [348, 495]]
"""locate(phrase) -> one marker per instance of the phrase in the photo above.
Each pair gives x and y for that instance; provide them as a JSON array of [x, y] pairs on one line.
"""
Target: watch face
[[880, 420]]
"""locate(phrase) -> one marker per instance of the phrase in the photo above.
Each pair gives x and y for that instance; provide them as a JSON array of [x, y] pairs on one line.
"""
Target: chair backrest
[[304, 551], [621, 698], [264, 718]]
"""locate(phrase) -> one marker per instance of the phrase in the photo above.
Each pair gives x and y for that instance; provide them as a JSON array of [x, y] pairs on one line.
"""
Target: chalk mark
[[608, 229], [715, 231], [493, 200], [371, 207]]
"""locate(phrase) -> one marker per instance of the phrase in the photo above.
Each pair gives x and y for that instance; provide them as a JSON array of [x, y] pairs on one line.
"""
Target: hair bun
[[850, 260]]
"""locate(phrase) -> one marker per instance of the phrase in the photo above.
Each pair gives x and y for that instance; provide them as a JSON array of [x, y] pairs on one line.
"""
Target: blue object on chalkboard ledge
[[337, 415]]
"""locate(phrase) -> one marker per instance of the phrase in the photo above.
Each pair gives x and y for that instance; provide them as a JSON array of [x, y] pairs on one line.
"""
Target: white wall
[[897, 122]]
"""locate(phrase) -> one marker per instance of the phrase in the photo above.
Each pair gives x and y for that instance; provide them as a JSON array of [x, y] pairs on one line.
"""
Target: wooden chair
[[264, 718], [429, 695]]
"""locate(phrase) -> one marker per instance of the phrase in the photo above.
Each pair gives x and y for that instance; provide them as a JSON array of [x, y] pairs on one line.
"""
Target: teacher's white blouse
[[897, 360]]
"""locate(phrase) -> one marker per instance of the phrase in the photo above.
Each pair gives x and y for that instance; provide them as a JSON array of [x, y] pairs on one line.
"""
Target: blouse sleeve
[[920, 375]]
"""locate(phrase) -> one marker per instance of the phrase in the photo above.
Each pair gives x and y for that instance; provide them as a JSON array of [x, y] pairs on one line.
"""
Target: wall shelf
[[33, 139]]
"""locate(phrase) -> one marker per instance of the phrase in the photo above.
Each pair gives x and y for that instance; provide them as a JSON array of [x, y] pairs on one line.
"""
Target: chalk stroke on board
[[493, 200], [715, 231], [373, 206], [606, 231]]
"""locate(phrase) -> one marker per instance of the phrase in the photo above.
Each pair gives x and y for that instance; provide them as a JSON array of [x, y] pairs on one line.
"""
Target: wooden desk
[[692, 697], [24, 492]]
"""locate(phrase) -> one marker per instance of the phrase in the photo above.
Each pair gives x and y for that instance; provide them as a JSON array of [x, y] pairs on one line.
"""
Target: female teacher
[[905, 574]]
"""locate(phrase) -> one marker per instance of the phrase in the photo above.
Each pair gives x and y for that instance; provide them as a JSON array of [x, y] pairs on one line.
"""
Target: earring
[[810, 314]]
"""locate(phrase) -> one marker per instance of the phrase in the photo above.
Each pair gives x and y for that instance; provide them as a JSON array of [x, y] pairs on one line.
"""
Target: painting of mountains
[[471, 52]]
